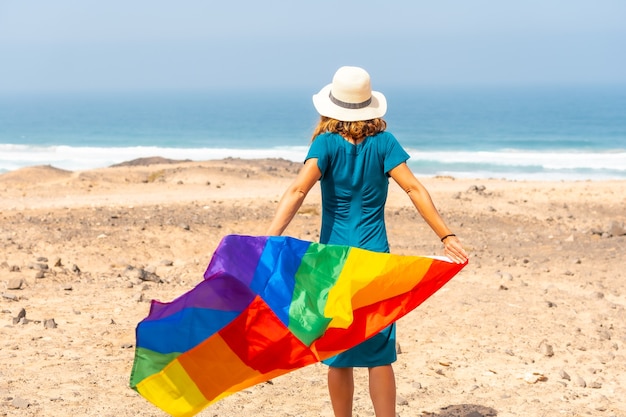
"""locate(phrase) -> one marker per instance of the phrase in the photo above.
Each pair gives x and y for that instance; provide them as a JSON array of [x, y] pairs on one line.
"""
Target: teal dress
[[354, 183]]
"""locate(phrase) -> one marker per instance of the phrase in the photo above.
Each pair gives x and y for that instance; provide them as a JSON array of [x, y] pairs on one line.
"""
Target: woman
[[353, 156]]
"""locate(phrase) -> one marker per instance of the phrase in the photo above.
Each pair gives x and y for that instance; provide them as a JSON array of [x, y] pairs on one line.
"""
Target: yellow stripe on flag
[[370, 277], [163, 390]]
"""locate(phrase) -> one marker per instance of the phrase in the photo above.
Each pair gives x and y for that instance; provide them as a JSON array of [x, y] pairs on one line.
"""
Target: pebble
[[20, 318], [579, 382], [534, 377], [616, 229], [564, 375], [50, 324], [400, 400], [479, 189], [15, 284], [547, 350], [595, 385], [21, 403], [142, 274], [607, 357], [506, 276], [612, 230], [38, 265], [601, 403]]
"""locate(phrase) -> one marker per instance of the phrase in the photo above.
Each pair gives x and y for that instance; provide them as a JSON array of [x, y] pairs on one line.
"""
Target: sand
[[535, 325]]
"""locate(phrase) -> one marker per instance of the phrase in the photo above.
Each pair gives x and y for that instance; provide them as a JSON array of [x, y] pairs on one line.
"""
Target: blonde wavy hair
[[353, 131]]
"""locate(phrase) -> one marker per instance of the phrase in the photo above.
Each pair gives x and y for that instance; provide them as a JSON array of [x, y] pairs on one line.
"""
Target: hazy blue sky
[[193, 44]]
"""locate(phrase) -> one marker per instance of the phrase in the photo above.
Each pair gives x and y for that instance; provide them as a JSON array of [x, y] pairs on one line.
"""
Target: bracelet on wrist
[[447, 236]]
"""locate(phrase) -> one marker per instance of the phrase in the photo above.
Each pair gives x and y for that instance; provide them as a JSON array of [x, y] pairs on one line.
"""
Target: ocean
[[511, 133]]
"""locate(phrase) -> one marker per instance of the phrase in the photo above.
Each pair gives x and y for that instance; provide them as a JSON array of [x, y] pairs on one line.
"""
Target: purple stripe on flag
[[239, 255], [223, 293]]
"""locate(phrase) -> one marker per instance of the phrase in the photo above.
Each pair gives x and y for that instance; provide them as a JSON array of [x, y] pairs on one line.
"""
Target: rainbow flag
[[268, 306]]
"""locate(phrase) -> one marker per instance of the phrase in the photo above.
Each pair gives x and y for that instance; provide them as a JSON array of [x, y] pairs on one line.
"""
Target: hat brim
[[325, 107]]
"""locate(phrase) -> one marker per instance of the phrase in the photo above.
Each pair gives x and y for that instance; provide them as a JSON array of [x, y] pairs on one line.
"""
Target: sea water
[[575, 133]]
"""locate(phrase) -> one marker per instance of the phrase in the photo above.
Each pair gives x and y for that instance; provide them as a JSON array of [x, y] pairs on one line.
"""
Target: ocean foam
[[509, 164]]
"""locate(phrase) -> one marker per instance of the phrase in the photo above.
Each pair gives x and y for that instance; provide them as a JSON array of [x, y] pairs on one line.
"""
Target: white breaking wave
[[522, 165], [508, 164], [82, 158], [546, 159]]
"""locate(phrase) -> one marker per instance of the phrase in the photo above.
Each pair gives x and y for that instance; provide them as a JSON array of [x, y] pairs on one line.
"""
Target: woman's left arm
[[424, 204], [294, 196]]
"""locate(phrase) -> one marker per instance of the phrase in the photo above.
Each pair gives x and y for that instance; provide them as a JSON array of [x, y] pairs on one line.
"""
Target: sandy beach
[[535, 325]]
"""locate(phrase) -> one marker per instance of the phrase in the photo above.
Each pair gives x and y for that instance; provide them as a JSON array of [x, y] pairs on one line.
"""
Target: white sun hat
[[349, 98]]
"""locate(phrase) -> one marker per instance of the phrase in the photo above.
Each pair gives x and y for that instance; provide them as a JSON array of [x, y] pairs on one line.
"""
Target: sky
[[115, 45]]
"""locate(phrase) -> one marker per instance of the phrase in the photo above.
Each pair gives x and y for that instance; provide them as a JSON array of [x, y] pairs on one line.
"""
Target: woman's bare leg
[[383, 390], [341, 389]]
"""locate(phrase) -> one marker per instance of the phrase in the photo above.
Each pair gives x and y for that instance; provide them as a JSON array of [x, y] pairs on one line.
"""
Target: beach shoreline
[[534, 325]]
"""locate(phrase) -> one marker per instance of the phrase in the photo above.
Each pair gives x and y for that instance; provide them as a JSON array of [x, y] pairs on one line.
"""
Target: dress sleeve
[[319, 150], [394, 153]]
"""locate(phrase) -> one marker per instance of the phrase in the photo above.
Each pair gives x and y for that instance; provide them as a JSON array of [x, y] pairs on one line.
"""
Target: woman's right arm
[[294, 196]]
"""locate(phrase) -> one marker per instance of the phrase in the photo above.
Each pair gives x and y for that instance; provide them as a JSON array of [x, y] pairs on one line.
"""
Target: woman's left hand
[[454, 250]]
